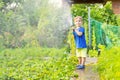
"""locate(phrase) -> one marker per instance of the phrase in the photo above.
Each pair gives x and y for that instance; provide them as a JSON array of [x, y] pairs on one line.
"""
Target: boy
[[79, 37]]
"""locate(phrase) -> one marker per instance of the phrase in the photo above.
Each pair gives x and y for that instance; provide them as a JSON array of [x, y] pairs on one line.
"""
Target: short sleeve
[[81, 30]]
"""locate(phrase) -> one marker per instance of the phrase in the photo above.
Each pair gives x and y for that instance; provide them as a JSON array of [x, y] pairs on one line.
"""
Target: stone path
[[88, 73]]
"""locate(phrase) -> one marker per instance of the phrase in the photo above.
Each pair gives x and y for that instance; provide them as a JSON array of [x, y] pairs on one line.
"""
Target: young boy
[[79, 37]]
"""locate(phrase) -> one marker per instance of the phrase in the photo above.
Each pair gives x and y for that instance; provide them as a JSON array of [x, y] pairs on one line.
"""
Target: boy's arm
[[78, 33]]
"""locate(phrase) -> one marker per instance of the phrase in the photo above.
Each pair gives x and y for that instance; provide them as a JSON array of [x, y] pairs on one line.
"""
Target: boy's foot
[[80, 67], [77, 65]]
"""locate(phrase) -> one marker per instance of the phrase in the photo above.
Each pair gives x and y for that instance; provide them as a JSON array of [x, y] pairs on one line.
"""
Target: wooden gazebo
[[115, 3]]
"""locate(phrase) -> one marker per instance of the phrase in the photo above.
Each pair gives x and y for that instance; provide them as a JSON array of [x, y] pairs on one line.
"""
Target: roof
[[87, 1]]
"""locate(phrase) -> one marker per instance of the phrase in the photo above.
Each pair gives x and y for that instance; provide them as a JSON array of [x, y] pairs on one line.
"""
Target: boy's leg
[[79, 60], [78, 54], [83, 54], [83, 60]]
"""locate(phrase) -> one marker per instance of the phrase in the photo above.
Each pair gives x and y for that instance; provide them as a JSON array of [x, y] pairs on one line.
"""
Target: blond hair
[[77, 18]]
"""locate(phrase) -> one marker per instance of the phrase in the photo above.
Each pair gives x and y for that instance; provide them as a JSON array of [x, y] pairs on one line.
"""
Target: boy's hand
[[72, 28]]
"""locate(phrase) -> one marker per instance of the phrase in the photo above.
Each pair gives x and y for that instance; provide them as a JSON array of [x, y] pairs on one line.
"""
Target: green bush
[[108, 64], [36, 64]]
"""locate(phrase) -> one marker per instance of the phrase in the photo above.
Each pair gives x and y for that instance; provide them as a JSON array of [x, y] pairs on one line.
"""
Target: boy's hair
[[77, 18]]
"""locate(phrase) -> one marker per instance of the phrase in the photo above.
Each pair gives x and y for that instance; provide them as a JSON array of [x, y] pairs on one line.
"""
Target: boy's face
[[78, 22]]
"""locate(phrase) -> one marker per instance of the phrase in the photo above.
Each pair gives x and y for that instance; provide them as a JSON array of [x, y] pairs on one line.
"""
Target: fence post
[[89, 28]]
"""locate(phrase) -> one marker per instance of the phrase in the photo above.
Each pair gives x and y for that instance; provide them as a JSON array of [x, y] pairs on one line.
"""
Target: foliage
[[36, 64], [14, 26], [93, 53], [108, 64], [23, 22], [98, 12]]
